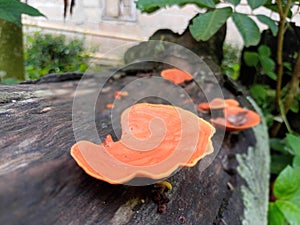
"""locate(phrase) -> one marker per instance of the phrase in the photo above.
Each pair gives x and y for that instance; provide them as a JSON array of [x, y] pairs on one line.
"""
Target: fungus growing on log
[[120, 94], [176, 76], [156, 140], [109, 105], [217, 103], [237, 119]]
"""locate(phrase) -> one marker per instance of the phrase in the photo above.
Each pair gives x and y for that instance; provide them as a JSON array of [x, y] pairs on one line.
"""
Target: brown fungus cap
[[154, 143]]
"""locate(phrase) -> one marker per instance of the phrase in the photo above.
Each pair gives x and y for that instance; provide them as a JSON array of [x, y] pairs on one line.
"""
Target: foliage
[[217, 13], [262, 58], [274, 102], [45, 53], [286, 208], [264, 95], [231, 61], [11, 10]]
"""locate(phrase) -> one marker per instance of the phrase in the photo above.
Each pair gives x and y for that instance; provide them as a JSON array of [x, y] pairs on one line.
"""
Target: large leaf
[[153, 5], [290, 211], [251, 58], [207, 24], [296, 161], [287, 183], [275, 216], [296, 198], [294, 143], [264, 50], [279, 145], [279, 162], [268, 66], [247, 28], [11, 10], [234, 2], [256, 3], [269, 22]]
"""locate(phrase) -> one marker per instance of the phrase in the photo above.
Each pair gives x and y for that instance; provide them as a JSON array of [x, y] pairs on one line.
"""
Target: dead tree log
[[41, 184]]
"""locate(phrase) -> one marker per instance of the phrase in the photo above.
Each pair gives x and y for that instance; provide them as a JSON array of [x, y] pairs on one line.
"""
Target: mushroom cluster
[[156, 140], [233, 118]]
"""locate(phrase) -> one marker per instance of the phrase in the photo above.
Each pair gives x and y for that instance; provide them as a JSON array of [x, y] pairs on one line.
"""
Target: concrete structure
[[110, 25], [114, 25]]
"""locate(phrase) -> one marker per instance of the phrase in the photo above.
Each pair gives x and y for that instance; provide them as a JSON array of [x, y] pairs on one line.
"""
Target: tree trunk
[[11, 51]]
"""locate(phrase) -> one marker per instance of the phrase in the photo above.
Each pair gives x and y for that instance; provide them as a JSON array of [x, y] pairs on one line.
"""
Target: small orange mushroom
[[156, 140], [120, 94], [237, 119], [110, 105], [176, 76], [217, 103]]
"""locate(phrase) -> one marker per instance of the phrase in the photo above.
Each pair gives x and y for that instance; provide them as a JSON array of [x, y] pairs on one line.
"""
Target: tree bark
[[11, 51], [41, 184]]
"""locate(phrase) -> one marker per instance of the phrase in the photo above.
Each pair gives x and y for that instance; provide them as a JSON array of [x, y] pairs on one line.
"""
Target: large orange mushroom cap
[[237, 119], [176, 76], [156, 140]]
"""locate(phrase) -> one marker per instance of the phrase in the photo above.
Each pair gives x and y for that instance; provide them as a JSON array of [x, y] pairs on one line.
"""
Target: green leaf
[[279, 145], [234, 2], [296, 161], [251, 58], [288, 65], [247, 28], [296, 198], [207, 24], [290, 211], [11, 10], [287, 183], [279, 162], [150, 6], [268, 66], [275, 216], [295, 106], [264, 50], [256, 3], [269, 22], [294, 143]]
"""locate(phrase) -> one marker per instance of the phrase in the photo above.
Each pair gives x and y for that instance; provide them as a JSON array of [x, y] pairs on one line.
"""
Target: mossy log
[[41, 184]]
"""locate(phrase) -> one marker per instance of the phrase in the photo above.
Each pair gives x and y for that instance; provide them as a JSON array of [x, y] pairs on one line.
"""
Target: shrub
[[46, 53]]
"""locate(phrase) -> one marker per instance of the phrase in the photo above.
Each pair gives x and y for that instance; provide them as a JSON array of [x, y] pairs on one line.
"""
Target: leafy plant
[[11, 10], [231, 61], [286, 208], [217, 13], [263, 59], [45, 53], [286, 190]]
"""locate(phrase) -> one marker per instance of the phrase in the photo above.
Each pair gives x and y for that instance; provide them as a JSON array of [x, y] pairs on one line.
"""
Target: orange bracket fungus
[[176, 76], [237, 119], [217, 103], [109, 105], [156, 140], [120, 94]]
